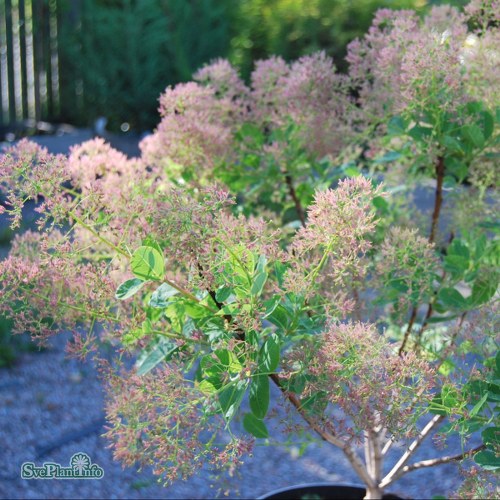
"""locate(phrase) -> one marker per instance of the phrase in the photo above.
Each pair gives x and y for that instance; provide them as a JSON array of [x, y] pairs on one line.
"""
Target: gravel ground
[[52, 407]]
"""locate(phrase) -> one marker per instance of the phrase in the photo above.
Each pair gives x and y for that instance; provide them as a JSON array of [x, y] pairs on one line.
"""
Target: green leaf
[[150, 242], [223, 293], [352, 171], [449, 396], [397, 125], [490, 225], [280, 270], [473, 135], [206, 387], [229, 360], [453, 145], [420, 133], [474, 107], [129, 288], [487, 124], [163, 350], [458, 247], [457, 168], [446, 367], [487, 459], [491, 436], [260, 267], [147, 263], [258, 284], [493, 392], [249, 130], [259, 395], [260, 276], [271, 305], [452, 298], [279, 317], [230, 398], [255, 426], [483, 289], [160, 296], [456, 265], [479, 405], [381, 203], [269, 355], [297, 383]]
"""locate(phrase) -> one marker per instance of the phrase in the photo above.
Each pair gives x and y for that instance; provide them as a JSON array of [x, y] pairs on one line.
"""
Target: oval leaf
[[491, 436], [451, 298], [259, 395], [147, 263], [129, 288], [160, 296], [483, 289], [269, 356], [487, 459], [258, 283], [255, 426], [230, 398], [160, 352]]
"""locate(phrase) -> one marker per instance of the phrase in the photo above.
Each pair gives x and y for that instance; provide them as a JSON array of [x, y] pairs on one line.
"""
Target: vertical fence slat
[[3, 66], [54, 56], [23, 57], [10, 61], [38, 57], [45, 26], [39, 78], [17, 59], [30, 59]]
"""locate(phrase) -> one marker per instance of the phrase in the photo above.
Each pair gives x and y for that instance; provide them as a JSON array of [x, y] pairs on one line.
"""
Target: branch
[[388, 445], [442, 460], [395, 473], [296, 201], [438, 200], [413, 317], [430, 307], [325, 435]]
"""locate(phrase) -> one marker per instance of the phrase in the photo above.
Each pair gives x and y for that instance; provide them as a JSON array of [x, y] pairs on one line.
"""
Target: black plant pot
[[322, 492]]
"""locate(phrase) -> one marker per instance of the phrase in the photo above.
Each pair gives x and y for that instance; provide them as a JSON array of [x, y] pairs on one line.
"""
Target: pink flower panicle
[[160, 420], [195, 131], [268, 79], [356, 369], [29, 172], [330, 249], [224, 79], [317, 99]]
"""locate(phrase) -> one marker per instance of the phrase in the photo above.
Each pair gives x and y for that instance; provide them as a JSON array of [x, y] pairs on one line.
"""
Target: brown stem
[[296, 201], [430, 307], [327, 436], [295, 401], [438, 200], [413, 317]]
